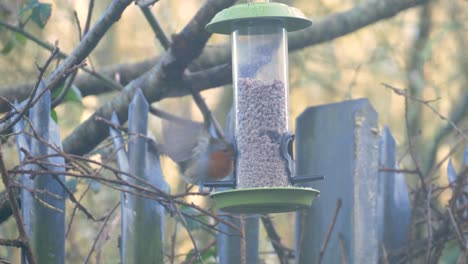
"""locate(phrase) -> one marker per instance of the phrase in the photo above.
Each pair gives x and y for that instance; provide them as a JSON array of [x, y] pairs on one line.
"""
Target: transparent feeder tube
[[260, 78]]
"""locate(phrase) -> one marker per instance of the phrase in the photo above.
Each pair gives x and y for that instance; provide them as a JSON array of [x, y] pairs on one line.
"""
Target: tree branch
[[324, 29], [166, 75]]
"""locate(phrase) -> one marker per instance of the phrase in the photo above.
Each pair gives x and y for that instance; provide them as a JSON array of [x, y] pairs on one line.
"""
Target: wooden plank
[[394, 210], [339, 141]]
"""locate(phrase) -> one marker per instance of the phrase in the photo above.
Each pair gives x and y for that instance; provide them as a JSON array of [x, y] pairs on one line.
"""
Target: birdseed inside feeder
[[264, 166]]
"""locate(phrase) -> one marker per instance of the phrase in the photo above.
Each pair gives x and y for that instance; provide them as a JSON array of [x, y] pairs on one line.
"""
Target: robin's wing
[[180, 138]]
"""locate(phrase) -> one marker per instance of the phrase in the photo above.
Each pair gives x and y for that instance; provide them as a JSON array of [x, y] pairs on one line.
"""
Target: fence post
[[230, 249], [44, 216], [142, 218], [394, 212], [339, 141]]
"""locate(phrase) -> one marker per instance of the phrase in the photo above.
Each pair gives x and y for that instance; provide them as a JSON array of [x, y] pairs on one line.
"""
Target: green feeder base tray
[[264, 200]]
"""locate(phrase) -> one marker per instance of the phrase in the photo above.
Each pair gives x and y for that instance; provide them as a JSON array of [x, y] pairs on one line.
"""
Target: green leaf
[[41, 14], [208, 256], [54, 116], [71, 184], [193, 218], [450, 253], [73, 94], [94, 185], [9, 45], [30, 4], [20, 38]]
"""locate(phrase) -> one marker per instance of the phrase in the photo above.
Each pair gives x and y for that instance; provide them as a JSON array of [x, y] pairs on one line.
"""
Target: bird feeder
[[264, 167]]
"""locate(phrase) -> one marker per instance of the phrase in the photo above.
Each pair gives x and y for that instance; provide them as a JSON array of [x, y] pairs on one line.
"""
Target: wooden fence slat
[[339, 141], [142, 219], [230, 244], [48, 214], [126, 209], [394, 212], [22, 142]]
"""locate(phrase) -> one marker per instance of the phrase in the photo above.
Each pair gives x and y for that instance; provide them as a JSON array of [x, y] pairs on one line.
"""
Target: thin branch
[[404, 93], [203, 250], [429, 224], [72, 216], [16, 211], [77, 20], [411, 147], [284, 253], [32, 96], [31, 37], [456, 227], [186, 46], [408, 171], [23, 90], [196, 252], [344, 258], [330, 230], [90, 40], [74, 200], [156, 27], [324, 29], [173, 244], [65, 90], [100, 232], [12, 243], [88, 17]]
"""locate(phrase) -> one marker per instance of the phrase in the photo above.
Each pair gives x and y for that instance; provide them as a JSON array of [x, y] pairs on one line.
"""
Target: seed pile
[[261, 121]]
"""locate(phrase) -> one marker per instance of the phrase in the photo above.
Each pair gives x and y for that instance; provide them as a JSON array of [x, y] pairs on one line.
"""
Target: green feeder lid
[[293, 18], [264, 200]]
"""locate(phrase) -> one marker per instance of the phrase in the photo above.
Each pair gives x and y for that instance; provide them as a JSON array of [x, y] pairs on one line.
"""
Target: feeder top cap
[[292, 18]]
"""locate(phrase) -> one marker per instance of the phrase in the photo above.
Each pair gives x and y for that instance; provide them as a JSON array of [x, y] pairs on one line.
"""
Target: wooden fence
[[361, 211]]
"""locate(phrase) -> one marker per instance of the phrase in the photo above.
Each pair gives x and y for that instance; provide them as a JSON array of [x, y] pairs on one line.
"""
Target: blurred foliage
[[349, 67]]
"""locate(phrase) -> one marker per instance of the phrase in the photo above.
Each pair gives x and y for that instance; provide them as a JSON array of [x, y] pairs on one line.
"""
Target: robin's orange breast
[[220, 165]]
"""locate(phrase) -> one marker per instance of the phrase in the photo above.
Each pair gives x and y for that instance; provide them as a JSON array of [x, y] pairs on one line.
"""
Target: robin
[[200, 154]]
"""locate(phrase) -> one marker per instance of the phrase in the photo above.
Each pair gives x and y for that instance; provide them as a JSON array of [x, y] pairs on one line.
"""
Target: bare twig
[[173, 244], [156, 27], [344, 258], [429, 224], [427, 103], [412, 151], [408, 171], [32, 96], [100, 232], [283, 252], [167, 116], [88, 17], [330, 230], [458, 233], [65, 90], [77, 20], [203, 250], [207, 114], [60, 54], [12, 243], [196, 252], [72, 216]]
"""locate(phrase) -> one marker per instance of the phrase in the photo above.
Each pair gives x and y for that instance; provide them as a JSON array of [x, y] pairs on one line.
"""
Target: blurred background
[[422, 49]]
